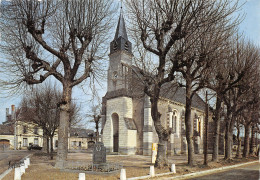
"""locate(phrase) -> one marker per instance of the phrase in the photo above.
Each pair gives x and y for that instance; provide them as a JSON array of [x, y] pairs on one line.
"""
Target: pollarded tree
[[39, 106], [162, 26], [52, 38], [207, 45], [246, 61], [225, 75]]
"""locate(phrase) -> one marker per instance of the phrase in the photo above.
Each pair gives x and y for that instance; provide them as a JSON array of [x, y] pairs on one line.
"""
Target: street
[[247, 172]]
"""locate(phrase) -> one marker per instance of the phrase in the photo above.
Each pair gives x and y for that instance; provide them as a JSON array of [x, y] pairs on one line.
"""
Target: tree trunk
[[163, 135], [238, 155], [228, 136], [161, 160], [246, 141], [252, 142], [228, 145], [63, 127], [48, 145], [44, 144], [188, 124], [217, 129], [97, 134], [205, 141], [51, 154]]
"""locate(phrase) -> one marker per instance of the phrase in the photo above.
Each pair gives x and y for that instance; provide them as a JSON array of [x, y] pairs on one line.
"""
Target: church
[[127, 125]]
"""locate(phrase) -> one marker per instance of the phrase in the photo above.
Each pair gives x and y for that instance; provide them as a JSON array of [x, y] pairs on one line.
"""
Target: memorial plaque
[[99, 153]]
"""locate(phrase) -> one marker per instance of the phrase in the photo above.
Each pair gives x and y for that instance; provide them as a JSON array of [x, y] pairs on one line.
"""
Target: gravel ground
[[42, 168], [13, 156]]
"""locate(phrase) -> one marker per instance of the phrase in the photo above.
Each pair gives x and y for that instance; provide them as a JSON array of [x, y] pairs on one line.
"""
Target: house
[[127, 125], [81, 138], [17, 133]]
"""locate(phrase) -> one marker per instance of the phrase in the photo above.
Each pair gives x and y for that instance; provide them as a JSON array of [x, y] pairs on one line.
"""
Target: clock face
[[115, 75]]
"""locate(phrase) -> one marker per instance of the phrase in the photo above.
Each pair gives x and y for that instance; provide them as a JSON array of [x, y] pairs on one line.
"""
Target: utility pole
[[206, 131]]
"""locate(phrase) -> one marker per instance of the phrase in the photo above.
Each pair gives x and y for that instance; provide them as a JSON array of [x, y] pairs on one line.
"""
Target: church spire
[[120, 41], [121, 30]]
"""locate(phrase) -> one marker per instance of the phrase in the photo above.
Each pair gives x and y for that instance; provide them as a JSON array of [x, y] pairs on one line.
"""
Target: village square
[[180, 87]]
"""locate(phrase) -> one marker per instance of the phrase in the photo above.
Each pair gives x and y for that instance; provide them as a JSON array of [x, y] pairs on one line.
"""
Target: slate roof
[[121, 30], [178, 94], [171, 91], [82, 133], [130, 124], [6, 130]]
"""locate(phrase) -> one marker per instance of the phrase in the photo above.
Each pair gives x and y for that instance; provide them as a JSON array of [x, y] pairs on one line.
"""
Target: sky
[[250, 28]]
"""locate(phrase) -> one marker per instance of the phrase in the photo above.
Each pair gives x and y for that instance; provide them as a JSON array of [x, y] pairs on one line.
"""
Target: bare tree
[[39, 106], [245, 61], [62, 39], [250, 116], [95, 117], [162, 27]]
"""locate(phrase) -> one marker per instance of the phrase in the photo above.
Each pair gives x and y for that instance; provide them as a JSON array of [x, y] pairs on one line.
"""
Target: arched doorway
[[115, 120]]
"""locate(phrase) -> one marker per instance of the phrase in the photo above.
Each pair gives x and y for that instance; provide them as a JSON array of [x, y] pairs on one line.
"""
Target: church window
[[126, 46], [174, 122], [115, 46], [199, 127]]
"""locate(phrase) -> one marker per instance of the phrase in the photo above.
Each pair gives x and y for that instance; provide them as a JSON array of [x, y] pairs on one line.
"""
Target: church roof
[[169, 91], [121, 30], [178, 94]]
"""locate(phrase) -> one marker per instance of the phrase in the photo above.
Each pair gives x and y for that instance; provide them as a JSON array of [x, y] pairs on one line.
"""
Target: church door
[[115, 120]]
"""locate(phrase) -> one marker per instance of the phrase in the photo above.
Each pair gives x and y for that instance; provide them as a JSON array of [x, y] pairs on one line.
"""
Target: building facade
[[17, 133]]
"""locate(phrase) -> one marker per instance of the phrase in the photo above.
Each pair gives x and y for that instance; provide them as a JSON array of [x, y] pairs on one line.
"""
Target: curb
[[191, 174], [10, 169]]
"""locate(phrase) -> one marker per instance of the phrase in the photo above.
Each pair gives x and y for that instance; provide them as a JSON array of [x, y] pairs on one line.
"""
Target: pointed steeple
[[121, 30], [120, 41]]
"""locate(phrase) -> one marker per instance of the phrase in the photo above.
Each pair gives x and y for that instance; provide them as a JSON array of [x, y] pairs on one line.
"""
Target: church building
[[127, 125]]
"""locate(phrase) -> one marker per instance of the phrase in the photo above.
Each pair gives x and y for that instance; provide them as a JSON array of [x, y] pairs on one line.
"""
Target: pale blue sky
[[250, 27]]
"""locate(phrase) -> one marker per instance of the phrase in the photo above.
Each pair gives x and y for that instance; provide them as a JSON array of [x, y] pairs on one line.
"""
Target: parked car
[[34, 146]]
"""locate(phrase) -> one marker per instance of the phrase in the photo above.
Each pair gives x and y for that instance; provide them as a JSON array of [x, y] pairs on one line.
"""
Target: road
[[247, 172]]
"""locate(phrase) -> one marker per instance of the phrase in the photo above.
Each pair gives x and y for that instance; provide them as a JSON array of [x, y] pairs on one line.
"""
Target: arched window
[[199, 126], [174, 122]]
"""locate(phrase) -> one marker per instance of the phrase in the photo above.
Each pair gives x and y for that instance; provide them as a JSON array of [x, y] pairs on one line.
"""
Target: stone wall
[[123, 107]]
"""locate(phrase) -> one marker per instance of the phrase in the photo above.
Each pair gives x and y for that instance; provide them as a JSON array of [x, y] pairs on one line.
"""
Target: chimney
[[13, 111], [7, 114]]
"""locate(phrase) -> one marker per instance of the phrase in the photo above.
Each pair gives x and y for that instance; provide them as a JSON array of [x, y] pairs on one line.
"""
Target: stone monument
[[99, 153]]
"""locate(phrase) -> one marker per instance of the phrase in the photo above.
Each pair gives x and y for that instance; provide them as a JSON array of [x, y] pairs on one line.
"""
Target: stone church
[[127, 125]]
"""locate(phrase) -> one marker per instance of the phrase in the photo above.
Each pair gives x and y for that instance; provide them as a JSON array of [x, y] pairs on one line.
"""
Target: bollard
[[173, 169], [25, 163], [82, 176], [122, 174], [17, 173], [22, 168], [28, 161], [152, 171]]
